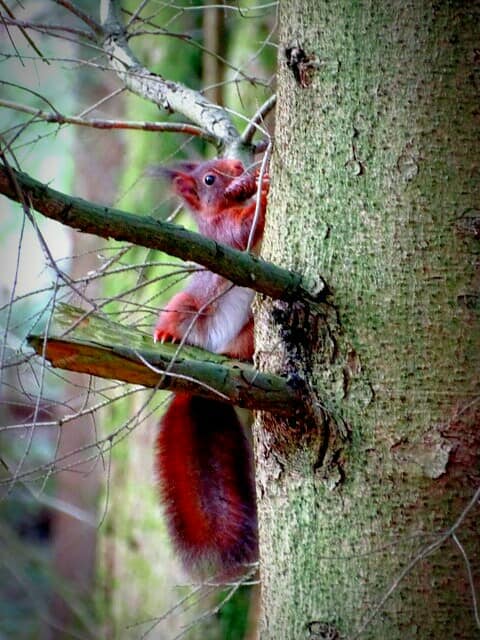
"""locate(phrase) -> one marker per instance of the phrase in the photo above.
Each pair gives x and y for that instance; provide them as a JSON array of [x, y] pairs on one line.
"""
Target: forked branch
[[170, 96]]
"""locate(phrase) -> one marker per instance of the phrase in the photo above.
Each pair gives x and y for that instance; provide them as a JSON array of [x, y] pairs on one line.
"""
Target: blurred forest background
[[83, 550]]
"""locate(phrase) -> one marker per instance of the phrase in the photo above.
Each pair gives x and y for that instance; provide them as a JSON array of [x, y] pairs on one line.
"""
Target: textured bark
[[375, 181]]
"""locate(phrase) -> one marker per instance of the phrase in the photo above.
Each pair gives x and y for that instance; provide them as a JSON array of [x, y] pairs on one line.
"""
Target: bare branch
[[171, 96], [98, 123]]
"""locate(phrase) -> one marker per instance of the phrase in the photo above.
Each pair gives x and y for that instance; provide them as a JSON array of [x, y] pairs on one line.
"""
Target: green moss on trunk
[[375, 170]]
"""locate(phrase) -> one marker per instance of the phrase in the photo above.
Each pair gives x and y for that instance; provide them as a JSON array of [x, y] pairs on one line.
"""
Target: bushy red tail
[[205, 468]]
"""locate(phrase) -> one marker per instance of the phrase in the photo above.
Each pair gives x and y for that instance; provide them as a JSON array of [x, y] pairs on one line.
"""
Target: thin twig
[[471, 582], [423, 553], [99, 123], [11, 19], [259, 116], [88, 20]]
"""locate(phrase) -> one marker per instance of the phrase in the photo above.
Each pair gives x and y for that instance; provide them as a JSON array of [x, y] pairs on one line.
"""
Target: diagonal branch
[[239, 267], [91, 343], [171, 96]]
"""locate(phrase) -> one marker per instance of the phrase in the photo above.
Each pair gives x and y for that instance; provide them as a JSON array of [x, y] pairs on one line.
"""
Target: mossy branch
[[239, 267], [91, 343]]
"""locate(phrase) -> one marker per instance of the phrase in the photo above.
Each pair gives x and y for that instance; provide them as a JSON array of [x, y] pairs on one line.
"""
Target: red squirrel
[[204, 459]]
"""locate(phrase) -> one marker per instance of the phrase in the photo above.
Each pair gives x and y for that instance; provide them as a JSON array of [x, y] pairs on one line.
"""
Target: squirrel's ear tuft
[[181, 181], [170, 173]]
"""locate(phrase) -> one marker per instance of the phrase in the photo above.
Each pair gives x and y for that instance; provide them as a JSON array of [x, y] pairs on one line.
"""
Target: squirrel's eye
[[209, 179]]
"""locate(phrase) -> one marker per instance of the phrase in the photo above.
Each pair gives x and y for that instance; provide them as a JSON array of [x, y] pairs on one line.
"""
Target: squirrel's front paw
[[163, 334]]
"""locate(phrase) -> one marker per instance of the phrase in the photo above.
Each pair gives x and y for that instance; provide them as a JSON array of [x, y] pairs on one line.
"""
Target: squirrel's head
[[202, 185]]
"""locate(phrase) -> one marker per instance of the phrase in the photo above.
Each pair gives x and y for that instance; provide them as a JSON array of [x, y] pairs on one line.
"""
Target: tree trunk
[[375, 175]]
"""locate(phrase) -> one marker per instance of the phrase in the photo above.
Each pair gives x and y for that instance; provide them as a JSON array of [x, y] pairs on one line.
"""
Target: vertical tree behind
[[134, 541], [375, 180]]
